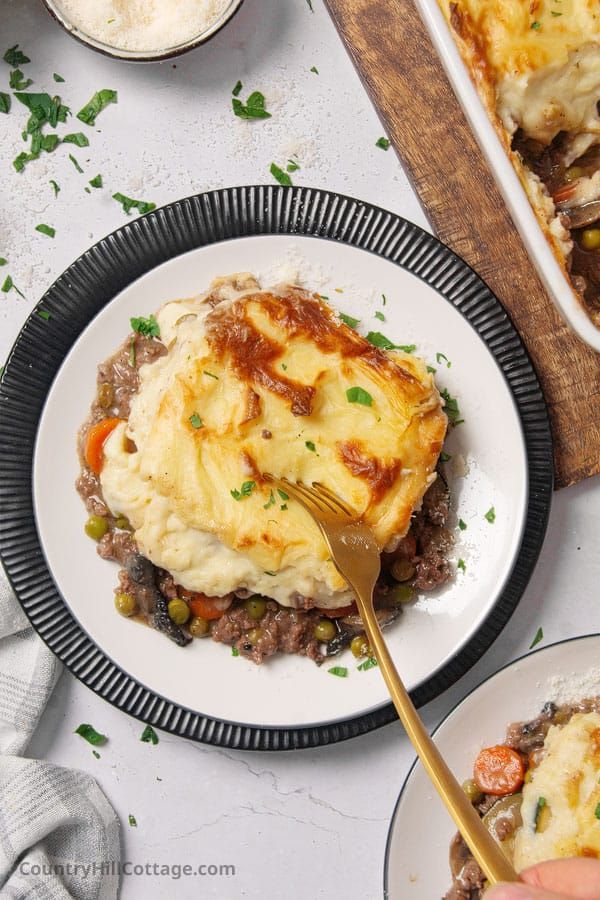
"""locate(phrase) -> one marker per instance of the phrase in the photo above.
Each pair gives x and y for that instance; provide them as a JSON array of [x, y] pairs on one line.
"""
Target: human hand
[[561, 879]]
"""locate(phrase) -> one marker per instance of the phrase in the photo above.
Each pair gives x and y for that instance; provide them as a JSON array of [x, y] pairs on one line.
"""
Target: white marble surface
[[301, 825]]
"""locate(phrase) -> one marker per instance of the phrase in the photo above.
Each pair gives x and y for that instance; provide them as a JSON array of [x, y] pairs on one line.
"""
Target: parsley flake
[[490, 515], [462, 525], [237, 89], [7, 285], [445, 457], [597, 811], [279, 175], [283, 494], [369, 663], [89, 734], [340, 671], [58, 78], [539, 636], [536, 25], [245, 490], [18, 82], [359, 395], [94, 107], [235, 651], [132, 821], [128, 204], [148, 327], [96, 754], [46, 229], [149, 736], [451, 408], [379, 315], [55, 187], [314, 70], [44, 314], [4, 102], [75, 163], [196, 421], [14, 57], [253, 108], [292, 166], [431, 370], [78, 138], [383, 143], [210, 375], [3, 262], [461, 565], [310, 446], [554, 13], [440, 358], [270, 502], [96, 181], [350, 321]]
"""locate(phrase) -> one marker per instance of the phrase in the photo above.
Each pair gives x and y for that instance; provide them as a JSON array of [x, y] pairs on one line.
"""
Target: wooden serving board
[[393, 53]]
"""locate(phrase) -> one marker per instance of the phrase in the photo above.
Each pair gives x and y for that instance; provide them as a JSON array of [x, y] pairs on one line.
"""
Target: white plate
[[291, 690], [517, 201], [421, 831]]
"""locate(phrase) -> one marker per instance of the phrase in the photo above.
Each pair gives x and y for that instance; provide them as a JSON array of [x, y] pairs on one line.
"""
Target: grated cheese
[[572, 686], [143, 25]]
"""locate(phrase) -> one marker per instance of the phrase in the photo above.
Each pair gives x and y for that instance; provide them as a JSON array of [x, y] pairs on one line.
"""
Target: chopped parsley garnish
[[383, 299], [196, 421], [8, 284], [3, 262], [383, 343], [253, 108], [46, 229], [310, 6], [44, 314], [96, 181], [536, 25], [128, 204], [310, 446], [58, 78], [75, 163], [314, 70], [18, 82], [96, 754], [431, 370], [340, 671], [369, 663], [440, 358], [538, 811], [89, 733], [270, 502], [283, 494], [4, 102], [350, 321], [461, 565], [132, 821], [78, 138], [237, 89], [14, 57], [235, 651], [379, 315], [359, 395], [279, 175], [539, 636], [462, 525], [292, 166], [148, 327], [554, 13], [284, 367], [55, 187], [451, 408], [43, 108], [245, 490], [490, 515], [210, 375], [445, 457], [597, 811], [99, 101], [149, 736], [383, 143]]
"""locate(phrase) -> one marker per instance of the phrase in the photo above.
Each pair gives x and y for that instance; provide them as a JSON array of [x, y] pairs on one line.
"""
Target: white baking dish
[[517, 201]]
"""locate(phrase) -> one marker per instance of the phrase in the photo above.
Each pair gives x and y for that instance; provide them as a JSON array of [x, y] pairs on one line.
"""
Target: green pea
[[590, 239], [256, 607], [126, 604], [254, 635], [359, 646], [324, 630], [402, 593], [96, 527], [122, 522], [199, 627], [179, 611], [472, 791], [402, 570]]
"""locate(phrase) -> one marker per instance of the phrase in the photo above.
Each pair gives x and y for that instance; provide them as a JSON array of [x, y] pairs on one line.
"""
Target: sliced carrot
[[339, 612], [94, 442], [206, 607], [499, 770]]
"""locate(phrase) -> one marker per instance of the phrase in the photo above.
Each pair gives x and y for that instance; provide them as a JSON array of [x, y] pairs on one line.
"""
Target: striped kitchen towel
[[59, 836]]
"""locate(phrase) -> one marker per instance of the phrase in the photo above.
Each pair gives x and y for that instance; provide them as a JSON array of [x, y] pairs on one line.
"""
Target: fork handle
[[482, 845]]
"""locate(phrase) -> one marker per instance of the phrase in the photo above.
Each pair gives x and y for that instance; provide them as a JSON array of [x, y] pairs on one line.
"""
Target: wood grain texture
[[393, 54]]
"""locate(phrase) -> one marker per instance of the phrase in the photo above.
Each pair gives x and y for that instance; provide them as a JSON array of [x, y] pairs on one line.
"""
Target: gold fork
[[356, 556]]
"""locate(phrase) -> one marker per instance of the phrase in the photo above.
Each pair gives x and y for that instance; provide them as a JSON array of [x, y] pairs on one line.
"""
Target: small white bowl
[[142, 55]]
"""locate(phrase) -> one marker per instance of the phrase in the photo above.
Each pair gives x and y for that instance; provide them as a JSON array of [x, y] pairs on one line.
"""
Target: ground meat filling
[[525, 737], [421, 557]]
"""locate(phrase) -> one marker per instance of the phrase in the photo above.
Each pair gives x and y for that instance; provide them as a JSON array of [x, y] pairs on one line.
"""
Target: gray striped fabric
[[59, 836]]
